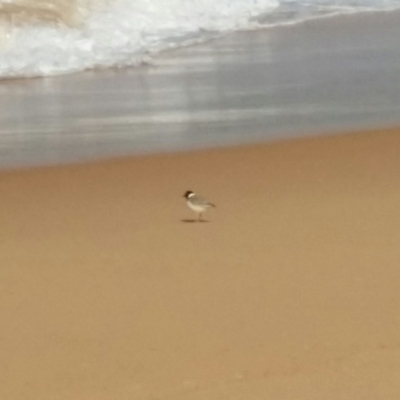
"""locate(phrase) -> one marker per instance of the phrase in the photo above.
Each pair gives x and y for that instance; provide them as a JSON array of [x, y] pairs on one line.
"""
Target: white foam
[[129, 31], [121, 34]]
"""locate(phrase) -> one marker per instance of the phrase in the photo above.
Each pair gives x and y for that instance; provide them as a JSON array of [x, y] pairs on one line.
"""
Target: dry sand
[[290, 291]]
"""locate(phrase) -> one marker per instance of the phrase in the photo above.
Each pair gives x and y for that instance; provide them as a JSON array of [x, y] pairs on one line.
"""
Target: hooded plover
[[197, 203]]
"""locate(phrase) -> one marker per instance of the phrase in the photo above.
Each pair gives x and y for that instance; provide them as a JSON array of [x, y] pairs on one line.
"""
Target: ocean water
[[50, 37], [328, 75]]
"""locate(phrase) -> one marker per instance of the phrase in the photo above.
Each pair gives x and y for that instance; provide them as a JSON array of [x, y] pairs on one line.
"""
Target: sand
[[289, 291]]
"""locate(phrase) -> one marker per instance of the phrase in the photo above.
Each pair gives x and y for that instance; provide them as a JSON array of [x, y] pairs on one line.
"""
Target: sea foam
[[123, 33], [48, 37]]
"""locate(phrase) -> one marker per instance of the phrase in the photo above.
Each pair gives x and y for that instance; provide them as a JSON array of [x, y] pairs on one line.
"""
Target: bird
[[197, 203]]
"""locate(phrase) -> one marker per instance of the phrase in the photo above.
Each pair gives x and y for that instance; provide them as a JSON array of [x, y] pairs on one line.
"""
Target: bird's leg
[[199, 217]]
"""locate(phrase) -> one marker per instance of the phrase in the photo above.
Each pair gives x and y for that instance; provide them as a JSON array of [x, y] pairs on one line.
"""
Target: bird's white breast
[[196, 207]]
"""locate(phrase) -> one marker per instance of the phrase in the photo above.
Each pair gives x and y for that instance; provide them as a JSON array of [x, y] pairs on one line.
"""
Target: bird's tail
[[212, 205]]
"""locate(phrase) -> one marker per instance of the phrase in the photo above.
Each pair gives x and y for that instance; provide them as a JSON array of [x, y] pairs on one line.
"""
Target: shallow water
[[325, 75]]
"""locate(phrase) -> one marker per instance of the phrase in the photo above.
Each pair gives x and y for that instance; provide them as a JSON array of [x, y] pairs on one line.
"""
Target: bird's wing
[[199, 200]]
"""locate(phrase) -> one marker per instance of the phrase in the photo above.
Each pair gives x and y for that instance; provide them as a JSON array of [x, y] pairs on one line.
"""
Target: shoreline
[[291, 140], [247, 87], [289, 290]]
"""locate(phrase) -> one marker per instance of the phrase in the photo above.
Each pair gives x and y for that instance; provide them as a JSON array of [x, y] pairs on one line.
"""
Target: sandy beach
[[289, 291]]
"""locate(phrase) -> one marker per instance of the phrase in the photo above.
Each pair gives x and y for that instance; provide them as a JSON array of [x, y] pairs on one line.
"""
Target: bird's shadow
[[190, 221]]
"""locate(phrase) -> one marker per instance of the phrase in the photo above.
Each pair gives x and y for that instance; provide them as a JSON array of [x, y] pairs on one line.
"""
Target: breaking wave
[[48, 37]]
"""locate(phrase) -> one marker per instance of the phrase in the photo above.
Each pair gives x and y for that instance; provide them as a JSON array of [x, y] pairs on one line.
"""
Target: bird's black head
[[187, 193]]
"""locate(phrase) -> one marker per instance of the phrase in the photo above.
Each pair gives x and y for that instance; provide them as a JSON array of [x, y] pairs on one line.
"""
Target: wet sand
[[289, 291]]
